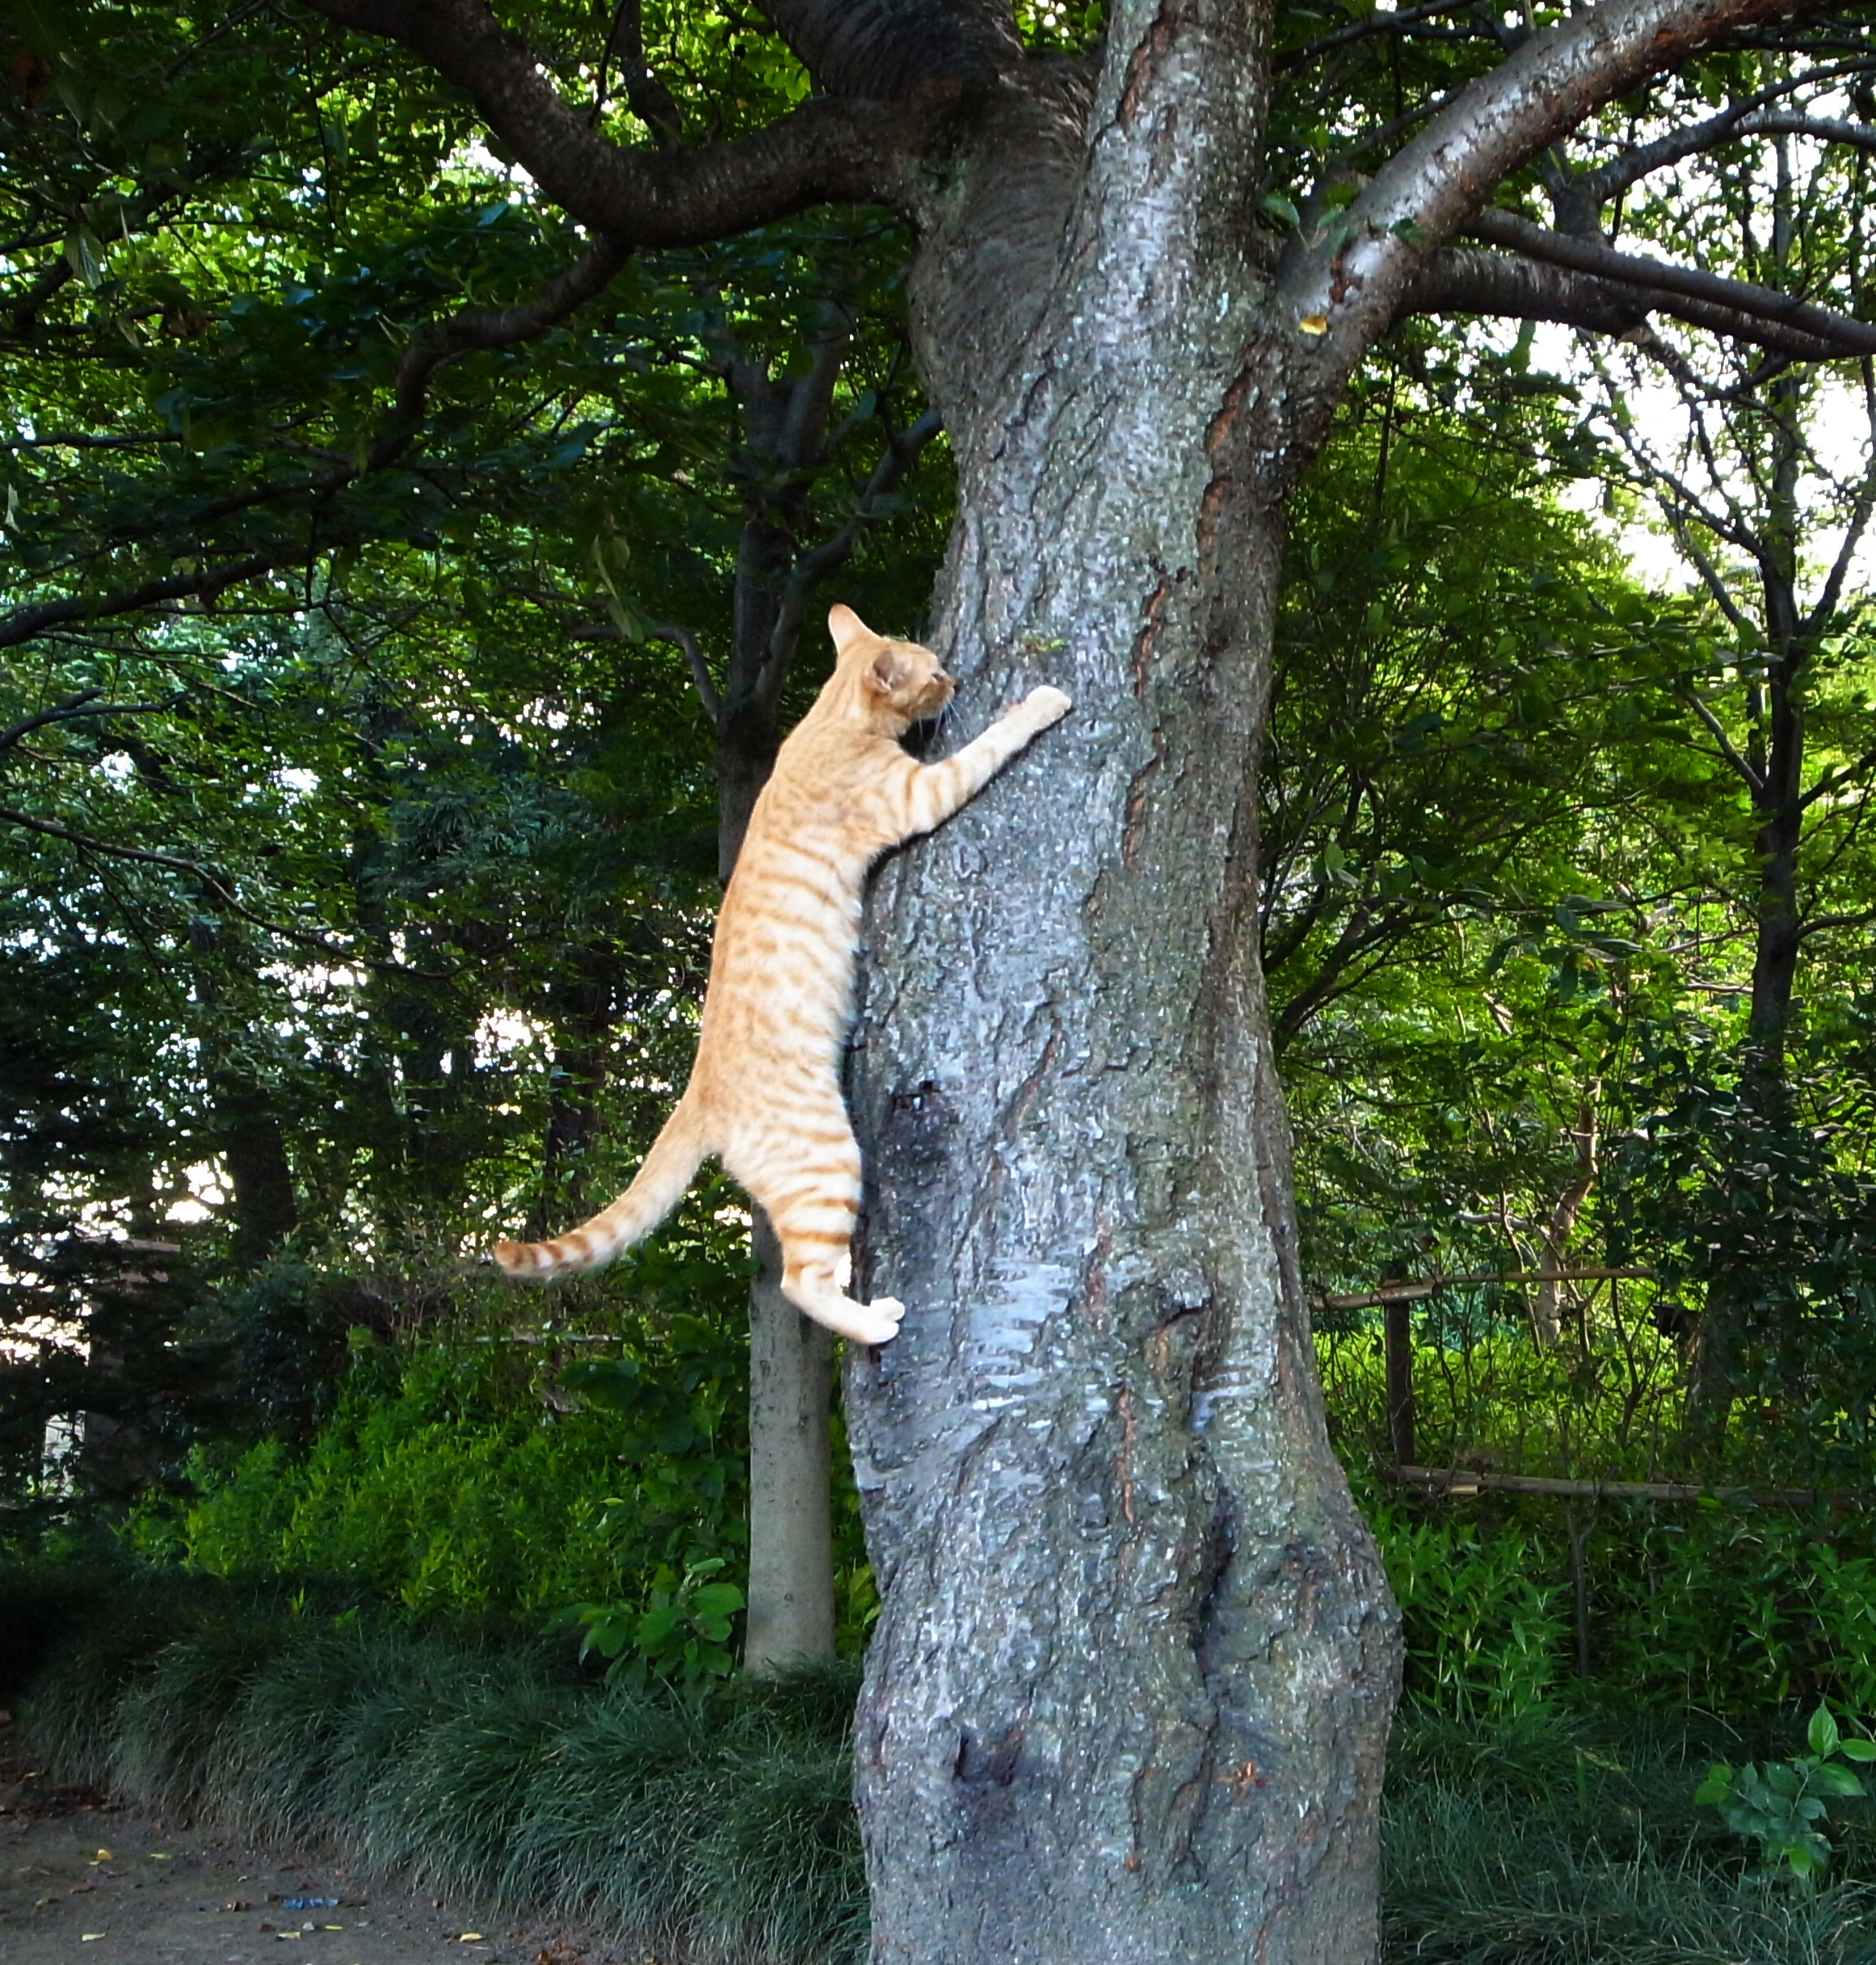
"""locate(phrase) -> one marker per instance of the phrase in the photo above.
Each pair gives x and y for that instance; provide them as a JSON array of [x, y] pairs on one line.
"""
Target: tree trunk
[[791, 1359], [1129, 1694], [790, 1557]]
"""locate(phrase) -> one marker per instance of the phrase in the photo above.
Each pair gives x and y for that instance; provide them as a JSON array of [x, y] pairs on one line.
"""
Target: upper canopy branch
[[1751, 116], [1343, 285], [850, 151], [1827, 332], [1463, 280], [890, 48]]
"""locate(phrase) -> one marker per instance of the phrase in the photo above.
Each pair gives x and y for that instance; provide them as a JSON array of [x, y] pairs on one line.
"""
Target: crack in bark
[[1148, 53]]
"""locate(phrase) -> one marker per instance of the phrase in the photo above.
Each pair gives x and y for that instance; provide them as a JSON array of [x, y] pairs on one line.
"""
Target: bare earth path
[[85, 1882]]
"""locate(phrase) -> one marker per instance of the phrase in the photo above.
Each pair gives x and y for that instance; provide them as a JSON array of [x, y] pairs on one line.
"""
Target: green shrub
[[1483, 1632], [465, 1474]]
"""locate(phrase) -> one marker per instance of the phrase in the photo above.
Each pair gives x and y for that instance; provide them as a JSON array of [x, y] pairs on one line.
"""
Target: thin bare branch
[[1755, 782], [218, 885], [1361, 30], [473, 330], [74, 440], [700, 675], [902, 451], [652, 103], [85, 704], [27, 624], [1836, 780], [1608, 180]]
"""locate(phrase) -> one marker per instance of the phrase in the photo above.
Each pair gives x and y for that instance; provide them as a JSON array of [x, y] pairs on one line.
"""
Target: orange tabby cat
[[764, 1094]]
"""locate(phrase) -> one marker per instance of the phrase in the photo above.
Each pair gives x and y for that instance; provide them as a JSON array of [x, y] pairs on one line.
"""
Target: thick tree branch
[[849, 151], [1339, 286], [1462, 279], [1840, 331], [25, 624], [85, 704]]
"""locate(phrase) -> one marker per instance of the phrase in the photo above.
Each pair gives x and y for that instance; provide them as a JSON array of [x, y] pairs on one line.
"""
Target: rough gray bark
[[1128, 1692]]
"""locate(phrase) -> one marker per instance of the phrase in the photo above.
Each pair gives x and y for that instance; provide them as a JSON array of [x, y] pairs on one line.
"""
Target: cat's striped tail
[[676, 1155]]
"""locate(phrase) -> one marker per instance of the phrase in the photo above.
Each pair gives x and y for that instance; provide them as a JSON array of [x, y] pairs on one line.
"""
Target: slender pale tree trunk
[[791, 1532], [1167, 1745]]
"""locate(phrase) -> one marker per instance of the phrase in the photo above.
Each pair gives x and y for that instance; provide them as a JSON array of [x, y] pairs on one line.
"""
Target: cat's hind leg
[[809, 1186]]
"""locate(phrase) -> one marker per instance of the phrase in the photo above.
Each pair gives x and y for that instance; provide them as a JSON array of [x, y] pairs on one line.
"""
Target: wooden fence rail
[[1458, 1483]]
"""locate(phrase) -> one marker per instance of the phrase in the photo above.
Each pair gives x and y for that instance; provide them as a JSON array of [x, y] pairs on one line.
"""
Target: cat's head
[[899, 682]]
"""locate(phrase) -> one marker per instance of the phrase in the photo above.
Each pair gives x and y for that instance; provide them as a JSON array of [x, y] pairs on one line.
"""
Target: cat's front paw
[[1046, 705], [878, 1322]]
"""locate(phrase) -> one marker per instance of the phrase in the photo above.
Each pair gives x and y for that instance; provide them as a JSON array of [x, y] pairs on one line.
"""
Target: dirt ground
[[84, 1881]]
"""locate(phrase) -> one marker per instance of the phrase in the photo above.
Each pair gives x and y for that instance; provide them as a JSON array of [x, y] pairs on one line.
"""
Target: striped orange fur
[[764, 1094]]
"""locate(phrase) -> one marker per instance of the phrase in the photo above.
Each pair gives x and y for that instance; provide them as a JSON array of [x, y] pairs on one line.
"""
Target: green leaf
[[655, 1628], [85, 255], [1822, 1733], [717, 1600], [1279, 207]]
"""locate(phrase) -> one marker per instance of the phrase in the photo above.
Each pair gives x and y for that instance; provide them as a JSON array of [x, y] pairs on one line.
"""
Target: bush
[[456, 1474]]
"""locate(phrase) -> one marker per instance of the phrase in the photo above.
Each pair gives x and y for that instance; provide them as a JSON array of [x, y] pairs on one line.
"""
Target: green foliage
[[723, 1829], [1758, 1200], [1780, 1804], [1484, 1632], [681, 1634], [418, 954], [473, 1472]]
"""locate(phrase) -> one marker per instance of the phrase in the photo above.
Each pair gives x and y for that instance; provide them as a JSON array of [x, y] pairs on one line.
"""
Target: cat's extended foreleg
[[934, 792]]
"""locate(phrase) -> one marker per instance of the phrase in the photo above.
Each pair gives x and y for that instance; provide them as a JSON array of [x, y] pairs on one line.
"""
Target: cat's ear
[[847, 627], [887, 671]]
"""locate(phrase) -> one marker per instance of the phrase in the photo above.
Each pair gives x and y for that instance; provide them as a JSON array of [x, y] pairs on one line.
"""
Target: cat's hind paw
[[1046, 705], [876, 1322], [879, 1321]]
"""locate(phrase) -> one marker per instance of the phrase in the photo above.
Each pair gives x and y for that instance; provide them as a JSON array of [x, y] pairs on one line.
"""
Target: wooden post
[[1397, 1348]]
